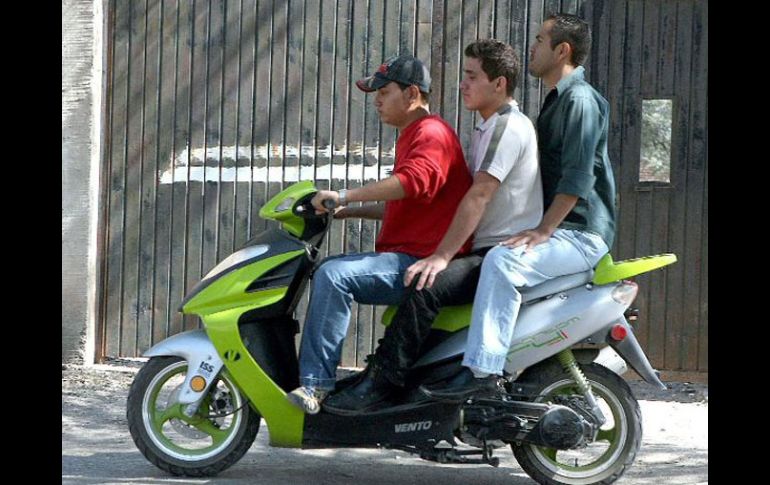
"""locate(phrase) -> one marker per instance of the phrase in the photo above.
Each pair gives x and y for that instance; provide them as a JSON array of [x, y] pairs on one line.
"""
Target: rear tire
[[195, 447], [602, 461]]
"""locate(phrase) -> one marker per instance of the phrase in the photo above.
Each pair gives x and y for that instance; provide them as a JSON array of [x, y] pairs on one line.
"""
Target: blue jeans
[[497, 302], [368, 278]]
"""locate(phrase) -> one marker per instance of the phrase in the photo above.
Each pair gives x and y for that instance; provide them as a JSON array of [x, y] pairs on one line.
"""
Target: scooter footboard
[[411, 424]]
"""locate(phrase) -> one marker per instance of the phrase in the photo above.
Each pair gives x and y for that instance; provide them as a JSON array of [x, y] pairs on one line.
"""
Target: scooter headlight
[[625, 292], [286, 204]]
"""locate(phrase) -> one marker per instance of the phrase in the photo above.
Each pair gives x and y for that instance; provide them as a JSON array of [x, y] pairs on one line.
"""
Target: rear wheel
[[602, 461], [214, 438]]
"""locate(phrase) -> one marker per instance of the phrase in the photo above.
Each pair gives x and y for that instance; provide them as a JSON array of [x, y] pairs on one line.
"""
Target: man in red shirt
[[430, 178]]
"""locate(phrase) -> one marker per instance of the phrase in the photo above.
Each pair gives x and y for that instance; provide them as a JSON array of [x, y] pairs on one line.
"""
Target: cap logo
[[383, 68]]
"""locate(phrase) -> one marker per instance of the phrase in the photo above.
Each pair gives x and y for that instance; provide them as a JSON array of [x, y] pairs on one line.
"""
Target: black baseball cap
[[404, 69]]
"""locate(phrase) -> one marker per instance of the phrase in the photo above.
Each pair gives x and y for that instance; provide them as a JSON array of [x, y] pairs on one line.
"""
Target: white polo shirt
[[505, 146]]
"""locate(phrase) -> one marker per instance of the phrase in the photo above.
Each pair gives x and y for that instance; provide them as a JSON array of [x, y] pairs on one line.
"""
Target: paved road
[[97, 448]]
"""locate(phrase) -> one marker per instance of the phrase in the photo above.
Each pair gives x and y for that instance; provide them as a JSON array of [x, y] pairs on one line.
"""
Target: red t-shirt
[[431, 167]]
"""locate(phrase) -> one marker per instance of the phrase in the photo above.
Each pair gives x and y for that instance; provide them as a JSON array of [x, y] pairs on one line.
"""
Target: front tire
[[604, 460], [213, 439]]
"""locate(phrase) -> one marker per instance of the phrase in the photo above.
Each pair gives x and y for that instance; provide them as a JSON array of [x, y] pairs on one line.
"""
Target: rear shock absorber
[[567, 360]]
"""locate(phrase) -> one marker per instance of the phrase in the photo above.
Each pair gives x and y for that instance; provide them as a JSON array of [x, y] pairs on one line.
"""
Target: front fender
[[196, 348]]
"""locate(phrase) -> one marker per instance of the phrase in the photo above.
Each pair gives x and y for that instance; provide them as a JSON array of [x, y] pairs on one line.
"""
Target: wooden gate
[[215, 106]]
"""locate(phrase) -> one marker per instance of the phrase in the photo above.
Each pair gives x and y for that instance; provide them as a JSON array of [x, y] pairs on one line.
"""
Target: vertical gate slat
[[614, 12], [179, 162], [163, 209], [134, 161], [118, 135], [503, 17], [657, 281], [531, 93], [452, 62], [310, 96], [293, 91], [518, 37], [244, 122], [438, 56], [650, 49], [549, 7], [666, 54], [341, 89], [212, 186], [149, 164], [228, 134], [654, 54], [695, 188], [645, 224], [359, 46], [468, 33], [676, 281], [703, 357], [629, 168], [262, 113], [196, 158], [424, 31], [312, 112], [598, 60], [703, 328], [278, 71], [407, 31]]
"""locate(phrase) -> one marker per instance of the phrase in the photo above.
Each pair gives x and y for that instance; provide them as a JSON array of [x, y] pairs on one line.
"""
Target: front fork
[[567, 360]]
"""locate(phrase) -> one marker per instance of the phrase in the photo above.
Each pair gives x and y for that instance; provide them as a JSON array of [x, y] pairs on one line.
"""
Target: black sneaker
[[371, 392], [461, 387]]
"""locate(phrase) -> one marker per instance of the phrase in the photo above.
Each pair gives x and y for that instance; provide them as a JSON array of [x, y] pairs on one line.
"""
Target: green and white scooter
[[195, 407]]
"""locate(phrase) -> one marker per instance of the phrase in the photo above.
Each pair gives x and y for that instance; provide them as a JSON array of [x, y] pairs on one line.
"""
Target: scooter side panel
[[284, 421], [271, 243], [545, 327]]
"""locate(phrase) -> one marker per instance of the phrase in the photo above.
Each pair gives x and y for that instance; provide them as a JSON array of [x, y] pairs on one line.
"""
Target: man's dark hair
[[497, 59], [425, 96], [574, 31]]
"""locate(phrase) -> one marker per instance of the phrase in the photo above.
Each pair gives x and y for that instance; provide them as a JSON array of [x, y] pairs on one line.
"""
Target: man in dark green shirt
[[578, 226]]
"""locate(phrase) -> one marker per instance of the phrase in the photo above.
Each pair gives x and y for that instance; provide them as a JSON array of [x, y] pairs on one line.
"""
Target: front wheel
[[214, 438], [602, 461]]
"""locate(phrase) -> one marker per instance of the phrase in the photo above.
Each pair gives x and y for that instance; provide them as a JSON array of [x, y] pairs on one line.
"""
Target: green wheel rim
[[614, 433], [164, 423]]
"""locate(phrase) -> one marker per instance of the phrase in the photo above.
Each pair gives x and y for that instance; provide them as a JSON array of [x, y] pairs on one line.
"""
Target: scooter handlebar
[[306, 210]]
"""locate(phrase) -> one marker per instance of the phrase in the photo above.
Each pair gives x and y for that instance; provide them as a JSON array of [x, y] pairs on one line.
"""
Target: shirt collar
[[484, 125], [575, 76]]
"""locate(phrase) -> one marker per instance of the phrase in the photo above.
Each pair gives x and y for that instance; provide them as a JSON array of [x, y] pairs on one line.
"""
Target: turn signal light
[[197, 383]]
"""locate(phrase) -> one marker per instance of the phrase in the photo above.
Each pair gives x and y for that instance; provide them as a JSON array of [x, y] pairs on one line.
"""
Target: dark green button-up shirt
[[572, 139]]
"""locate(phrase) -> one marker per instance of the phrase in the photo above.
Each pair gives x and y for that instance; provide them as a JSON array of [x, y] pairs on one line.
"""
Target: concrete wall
[[81, 114]]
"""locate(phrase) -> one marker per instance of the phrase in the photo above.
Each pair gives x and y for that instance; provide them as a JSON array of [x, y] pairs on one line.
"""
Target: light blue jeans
[[497, 302], [368, 278]]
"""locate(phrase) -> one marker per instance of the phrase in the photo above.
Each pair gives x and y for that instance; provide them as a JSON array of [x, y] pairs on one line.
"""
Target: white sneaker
[[308, 399]]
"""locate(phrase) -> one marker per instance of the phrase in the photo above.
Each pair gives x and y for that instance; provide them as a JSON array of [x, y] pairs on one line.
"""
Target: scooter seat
[[454, 318], [556, 285]]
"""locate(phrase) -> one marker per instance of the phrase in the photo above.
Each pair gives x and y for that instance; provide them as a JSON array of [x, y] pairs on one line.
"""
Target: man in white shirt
[[506, 198]]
